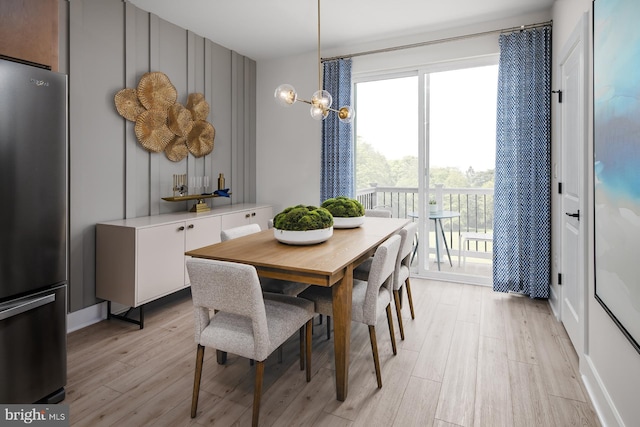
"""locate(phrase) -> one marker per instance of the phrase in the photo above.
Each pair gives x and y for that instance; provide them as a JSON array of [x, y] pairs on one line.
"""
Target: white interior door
[[574, 137]]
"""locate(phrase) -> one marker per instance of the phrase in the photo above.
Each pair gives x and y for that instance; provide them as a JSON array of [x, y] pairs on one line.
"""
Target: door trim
[[580, 34]]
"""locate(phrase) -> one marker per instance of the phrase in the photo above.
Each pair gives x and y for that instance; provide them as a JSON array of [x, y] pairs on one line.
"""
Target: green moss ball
[[343, 207]]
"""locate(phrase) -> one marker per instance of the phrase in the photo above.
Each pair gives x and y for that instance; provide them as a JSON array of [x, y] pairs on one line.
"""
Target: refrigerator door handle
[[27, 305]]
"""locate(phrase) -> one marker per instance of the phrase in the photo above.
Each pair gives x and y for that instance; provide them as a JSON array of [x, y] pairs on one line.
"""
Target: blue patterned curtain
[[522, 204], [337, 170]]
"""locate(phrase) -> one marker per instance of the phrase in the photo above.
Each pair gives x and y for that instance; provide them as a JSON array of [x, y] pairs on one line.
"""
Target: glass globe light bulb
[[286, 95], [318, 113], [322, 98], [346, 114]]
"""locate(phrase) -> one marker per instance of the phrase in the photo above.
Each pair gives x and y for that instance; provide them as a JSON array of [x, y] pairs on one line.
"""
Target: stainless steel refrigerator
[[33, 233]]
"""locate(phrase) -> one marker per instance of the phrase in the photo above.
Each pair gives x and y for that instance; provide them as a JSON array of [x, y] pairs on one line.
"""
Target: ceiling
[[263, 29]]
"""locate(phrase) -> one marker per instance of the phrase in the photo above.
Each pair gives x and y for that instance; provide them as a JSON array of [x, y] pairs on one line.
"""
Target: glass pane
[[462, 133], [387, 143]]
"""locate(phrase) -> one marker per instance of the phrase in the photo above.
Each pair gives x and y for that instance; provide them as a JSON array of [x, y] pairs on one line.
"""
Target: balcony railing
[[474, 204]]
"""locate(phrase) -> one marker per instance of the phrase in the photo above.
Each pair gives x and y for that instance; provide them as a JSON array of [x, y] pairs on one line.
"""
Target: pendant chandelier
[[320, 101]]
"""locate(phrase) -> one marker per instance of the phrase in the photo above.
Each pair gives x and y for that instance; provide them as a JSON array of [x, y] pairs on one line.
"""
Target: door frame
[[579, 35]]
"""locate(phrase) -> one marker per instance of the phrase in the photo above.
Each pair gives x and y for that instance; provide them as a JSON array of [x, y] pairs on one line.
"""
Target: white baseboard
[[553, 304], [87, 316], [602, 403]]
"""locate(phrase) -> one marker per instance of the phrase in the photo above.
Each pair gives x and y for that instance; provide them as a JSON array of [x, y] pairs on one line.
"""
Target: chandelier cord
[[319, 58]]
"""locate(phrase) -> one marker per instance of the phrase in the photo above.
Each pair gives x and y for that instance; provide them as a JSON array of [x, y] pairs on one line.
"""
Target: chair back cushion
[[407, 234], [243, 230], [380, 213], [381, 274]]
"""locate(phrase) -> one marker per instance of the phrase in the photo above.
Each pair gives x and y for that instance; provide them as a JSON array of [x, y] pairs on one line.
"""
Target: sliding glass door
[[461, 118], [429, 135]]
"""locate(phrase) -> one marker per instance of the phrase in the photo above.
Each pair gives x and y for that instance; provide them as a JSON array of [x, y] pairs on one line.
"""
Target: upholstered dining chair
[[369, 297], [243, 323], [268, 285], [402, 271], [380, 213]]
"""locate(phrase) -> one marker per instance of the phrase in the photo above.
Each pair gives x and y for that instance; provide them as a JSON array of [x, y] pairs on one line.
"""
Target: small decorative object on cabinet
[[347, 213], [303, 225]]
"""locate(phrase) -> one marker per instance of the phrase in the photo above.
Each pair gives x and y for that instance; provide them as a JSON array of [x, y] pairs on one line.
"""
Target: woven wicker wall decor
[[161, 123]]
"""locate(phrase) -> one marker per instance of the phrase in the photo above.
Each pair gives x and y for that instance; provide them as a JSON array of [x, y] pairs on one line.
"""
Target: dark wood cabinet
[[29, 30]]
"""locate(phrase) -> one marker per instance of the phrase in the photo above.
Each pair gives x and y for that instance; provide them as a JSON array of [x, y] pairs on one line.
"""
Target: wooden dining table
[[328, 264]]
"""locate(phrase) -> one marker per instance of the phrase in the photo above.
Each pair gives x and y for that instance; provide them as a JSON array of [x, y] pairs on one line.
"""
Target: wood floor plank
[[433, 356], [559, 377], [330, 420], [470, 304], [86, 405], [492, 314], [219, 412], [418, 405], [307, 406], [456, 403], [529, 396], [493, 406], [451, 294], [520, 345], [81, 386], [426, 300], [382, 408], [567, 412], [161, 403]]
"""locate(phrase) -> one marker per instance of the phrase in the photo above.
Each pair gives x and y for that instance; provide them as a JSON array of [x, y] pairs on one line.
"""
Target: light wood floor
[[471, 357]]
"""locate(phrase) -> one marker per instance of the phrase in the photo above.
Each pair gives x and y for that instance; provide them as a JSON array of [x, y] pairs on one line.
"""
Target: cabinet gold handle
[[181, 228], [253, 214], [247, 215], [191, 226]]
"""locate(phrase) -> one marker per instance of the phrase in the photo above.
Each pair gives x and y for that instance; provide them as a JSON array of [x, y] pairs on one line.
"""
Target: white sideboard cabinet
[[139, 260]]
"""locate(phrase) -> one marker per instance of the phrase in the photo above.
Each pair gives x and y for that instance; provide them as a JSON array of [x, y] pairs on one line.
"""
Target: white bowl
[[348, 222], [309, 237]]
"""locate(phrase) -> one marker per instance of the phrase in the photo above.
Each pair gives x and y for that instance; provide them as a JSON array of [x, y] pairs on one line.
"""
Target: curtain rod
[[445, 40]]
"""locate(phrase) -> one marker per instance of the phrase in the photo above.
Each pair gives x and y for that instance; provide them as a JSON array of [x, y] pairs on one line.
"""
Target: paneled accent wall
[[112, 44]]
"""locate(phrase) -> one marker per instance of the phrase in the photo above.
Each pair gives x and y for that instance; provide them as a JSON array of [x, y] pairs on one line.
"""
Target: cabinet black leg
[[124, 317]]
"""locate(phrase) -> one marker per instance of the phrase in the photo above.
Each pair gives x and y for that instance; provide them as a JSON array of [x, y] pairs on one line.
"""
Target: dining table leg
[[342, 297]]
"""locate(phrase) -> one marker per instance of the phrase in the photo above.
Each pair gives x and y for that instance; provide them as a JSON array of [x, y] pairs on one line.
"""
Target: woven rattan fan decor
[[198, 106], [161, 123], [155, 90], [179, 120], [200, 139], [128, 105], [152, 131], [177, 149]]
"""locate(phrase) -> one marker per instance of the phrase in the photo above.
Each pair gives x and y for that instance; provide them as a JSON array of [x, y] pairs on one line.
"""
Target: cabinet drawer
[[258, 216]]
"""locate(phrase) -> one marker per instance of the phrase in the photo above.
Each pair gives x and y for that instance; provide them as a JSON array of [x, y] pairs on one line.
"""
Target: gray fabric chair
[[380, 213], [243, 230], [243, 323], [369, 298], [268, 285], [402, 271], [375, 212]]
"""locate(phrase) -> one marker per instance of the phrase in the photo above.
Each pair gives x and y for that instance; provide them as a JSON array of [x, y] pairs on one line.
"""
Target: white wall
[[288, 140], [288, 144], [610, 366]]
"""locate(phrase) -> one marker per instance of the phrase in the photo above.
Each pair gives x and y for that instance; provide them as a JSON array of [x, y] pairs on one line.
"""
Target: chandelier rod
[[319, 59]]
